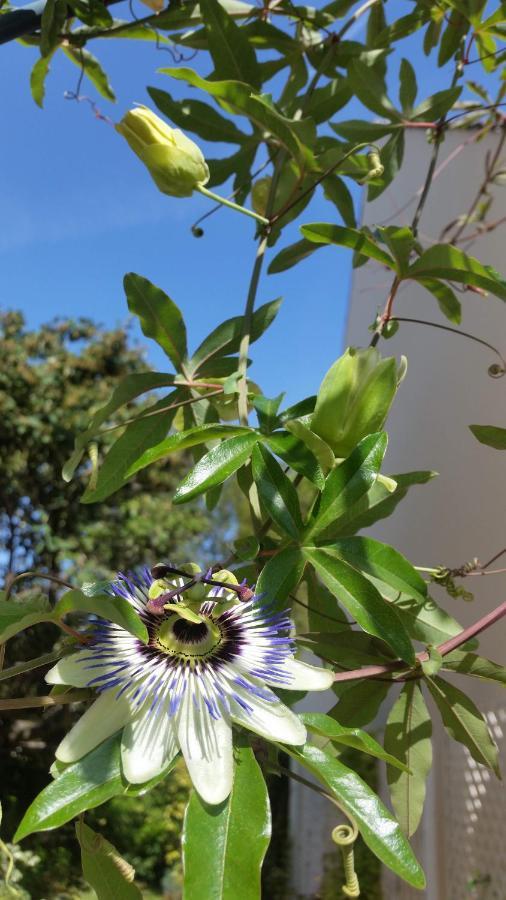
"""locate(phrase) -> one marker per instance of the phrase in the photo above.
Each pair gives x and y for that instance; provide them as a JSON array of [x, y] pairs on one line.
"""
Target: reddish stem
[[444, 648]]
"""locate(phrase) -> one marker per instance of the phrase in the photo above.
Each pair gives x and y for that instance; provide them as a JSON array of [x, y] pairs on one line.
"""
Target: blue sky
[[78, 211]]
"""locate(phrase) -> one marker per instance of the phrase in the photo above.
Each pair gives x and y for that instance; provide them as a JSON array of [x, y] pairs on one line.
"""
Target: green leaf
[[113, 608], [377, 826], [408, 737], [53, 19], [224, 846], [350, 737], [350, 649], [16, 615], [276, 491], [238, 97], [183, 439], [337, 192], [325, 233], [92, 69], [92, 12], [437, 105], [103, 868], [452, 264], [313, 442], [360, 701], [146, 431], [160, 318], [130, 387], [326, 101], [348, 482], [298, 456], [371, 557], [82, 785], [38, 77], [432, 665], [280, 576], [226, 338], [267, 411], [370, 90], [470, 664], [448, 303], [232, 54], [175, 18], [354, 398], [374, 614], [216, 466], [359, 131], [400, 241], [490, 435], [424, 620], [407, 86], [379, 502], [291, 255], [464, 722], [193, 115]]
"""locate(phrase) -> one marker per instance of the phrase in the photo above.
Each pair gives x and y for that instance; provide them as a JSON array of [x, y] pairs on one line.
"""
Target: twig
[[37, 702], [34, 574], [157, 412], [489, 174]]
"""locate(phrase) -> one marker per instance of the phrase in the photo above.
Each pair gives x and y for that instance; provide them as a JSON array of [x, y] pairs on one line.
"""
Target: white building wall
[[456, 517]]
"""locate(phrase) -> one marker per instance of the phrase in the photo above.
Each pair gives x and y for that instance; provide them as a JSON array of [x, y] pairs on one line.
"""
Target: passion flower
[[209, 664]]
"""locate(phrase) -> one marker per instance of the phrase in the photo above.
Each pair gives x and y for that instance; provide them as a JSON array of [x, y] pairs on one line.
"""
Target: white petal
[[206, 744], [148, 744], [104, 717], [303, 677], [71, 670], [272, 720]]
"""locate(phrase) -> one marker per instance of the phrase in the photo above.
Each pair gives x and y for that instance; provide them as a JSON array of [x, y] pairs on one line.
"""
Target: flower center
[[179, 637]]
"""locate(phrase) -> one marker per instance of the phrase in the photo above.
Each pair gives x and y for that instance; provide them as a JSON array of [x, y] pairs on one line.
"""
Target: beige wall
[[461, 514], [458, 516]]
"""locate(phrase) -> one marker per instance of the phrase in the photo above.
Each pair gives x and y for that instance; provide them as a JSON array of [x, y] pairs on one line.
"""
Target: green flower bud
[[175, 163], [354, 398]]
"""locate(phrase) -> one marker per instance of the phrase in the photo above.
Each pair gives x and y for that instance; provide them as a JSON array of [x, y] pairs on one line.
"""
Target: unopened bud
[[175, 163]]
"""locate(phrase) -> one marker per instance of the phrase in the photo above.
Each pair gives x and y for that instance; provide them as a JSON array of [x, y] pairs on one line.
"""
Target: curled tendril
[[345, 836]]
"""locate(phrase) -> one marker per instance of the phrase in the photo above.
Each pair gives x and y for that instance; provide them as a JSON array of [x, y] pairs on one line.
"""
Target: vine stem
[[446, 647], [262, 246], [489, 174], [464, 334], [157, 412], [438, 136], [37, 702], [35, 574], [231, 205]]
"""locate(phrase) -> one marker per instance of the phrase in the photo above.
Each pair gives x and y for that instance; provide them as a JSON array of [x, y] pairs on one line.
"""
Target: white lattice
[[461, 842], [474, 812]]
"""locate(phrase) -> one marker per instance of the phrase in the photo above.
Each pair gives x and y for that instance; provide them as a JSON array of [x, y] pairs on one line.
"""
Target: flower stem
[[231, 204]]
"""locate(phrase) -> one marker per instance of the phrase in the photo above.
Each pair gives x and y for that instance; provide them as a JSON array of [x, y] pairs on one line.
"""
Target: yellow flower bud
[[175, 163]]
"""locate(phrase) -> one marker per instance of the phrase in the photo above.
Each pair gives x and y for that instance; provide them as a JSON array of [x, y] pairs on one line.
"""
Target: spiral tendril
[[345, 836]]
